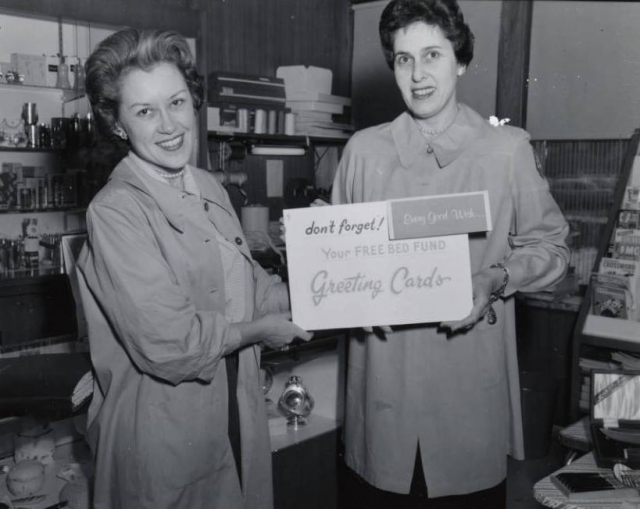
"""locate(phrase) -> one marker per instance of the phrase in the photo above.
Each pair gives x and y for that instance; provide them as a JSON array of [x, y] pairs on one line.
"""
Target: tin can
[[242, 120], [260, 123]]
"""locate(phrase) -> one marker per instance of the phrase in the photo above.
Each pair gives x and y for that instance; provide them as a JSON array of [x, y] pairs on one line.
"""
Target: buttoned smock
[[152, 280], [458, 397]]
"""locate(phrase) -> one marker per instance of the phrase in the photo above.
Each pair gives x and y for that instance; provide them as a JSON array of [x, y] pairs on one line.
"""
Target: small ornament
[[295, 403]]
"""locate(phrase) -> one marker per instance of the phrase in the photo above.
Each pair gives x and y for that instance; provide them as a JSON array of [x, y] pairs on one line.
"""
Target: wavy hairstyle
[[131, 49], [445, 14]]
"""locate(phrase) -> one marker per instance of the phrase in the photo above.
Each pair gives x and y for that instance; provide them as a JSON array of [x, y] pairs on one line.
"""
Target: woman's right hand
[[273, 330]]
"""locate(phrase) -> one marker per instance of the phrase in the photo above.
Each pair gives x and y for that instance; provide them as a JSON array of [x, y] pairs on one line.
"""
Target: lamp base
[[296, 421]]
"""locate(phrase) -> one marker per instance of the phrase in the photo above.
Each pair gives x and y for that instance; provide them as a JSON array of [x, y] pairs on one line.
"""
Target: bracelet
[[496, 294]]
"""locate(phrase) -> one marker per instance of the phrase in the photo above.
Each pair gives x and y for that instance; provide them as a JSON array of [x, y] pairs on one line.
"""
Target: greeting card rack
[[607, 332]]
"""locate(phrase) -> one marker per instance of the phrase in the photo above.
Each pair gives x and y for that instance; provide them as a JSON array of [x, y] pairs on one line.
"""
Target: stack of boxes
[[317, 111]]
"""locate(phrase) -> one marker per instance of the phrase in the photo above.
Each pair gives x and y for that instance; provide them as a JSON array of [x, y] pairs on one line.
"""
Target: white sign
[[344, 271]]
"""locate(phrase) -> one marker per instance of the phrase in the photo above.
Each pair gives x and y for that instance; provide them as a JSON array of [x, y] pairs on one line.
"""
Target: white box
[[316, 96], [302, 79], [332, 108]]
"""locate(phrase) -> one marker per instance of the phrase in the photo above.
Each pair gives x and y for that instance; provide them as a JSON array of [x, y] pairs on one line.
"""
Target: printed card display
[[346, 271]]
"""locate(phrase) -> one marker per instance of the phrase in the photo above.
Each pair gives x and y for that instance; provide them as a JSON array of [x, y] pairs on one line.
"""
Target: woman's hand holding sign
[[485, 285]]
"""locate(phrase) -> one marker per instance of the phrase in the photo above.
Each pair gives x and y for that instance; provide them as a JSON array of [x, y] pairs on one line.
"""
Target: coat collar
[[169, 199], [467, 126]]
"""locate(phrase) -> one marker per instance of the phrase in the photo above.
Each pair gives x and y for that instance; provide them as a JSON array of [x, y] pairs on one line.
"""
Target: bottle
[[63, 74], [79, 75], [31, 244]]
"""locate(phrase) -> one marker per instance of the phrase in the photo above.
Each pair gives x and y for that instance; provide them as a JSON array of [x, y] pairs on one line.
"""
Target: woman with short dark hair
[[176, 306], [433, 409]]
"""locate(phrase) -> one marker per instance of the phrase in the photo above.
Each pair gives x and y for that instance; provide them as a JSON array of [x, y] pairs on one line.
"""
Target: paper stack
[[308, 96]]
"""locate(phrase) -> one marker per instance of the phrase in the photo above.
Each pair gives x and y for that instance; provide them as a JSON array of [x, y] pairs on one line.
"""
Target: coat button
[[206, 206], [429, 149], [238, 241]]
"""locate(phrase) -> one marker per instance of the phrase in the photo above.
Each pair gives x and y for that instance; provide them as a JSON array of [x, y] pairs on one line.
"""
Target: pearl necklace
[[171, 176], [428, 132]]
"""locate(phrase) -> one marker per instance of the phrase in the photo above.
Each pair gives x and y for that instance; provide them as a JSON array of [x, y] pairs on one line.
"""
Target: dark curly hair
[[445, 14], [130, 49]]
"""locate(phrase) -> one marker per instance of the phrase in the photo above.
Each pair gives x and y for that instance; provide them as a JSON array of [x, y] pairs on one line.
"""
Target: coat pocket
[[188, 439]]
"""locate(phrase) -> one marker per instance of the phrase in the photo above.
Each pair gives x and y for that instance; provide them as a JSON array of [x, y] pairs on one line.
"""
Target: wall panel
[[256, 37]]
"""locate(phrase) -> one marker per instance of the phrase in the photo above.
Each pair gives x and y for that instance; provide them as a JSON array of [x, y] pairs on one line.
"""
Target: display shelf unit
[[600, 333]]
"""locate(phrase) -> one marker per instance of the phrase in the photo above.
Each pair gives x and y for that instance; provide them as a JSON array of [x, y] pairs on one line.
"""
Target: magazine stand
[[593, 327]]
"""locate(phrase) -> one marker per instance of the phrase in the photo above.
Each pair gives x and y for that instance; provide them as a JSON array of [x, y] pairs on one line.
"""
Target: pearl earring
[[120, 132]]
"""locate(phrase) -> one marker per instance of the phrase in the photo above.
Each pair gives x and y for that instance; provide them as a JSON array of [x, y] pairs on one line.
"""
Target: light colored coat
[[153, 290], [457, 397]]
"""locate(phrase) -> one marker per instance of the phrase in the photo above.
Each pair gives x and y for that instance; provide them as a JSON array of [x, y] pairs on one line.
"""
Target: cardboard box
[[32, 67], [300, 79]]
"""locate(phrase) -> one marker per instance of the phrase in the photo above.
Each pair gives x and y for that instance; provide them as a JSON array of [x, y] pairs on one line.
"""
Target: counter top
[[283, 435], [550, 300]]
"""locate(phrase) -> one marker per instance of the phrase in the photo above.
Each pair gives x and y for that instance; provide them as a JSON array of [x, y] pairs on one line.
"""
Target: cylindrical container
[[30, 113], [33, 135], [260, 122], [25, 199], [273, 117], [255, 218], [59, 129], [44, 135], [242, 119], [290, 124], [58, 190]]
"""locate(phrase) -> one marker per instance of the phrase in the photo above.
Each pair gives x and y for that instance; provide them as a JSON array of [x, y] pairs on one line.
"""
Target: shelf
[[68, 94], [607, 329], [322, 341], [6, 148], [67, 210], [45, 274], [276, 139]]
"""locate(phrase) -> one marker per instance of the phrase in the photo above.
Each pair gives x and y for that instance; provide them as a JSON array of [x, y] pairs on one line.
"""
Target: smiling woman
[[428, 452], [175, 305], [157, 110]]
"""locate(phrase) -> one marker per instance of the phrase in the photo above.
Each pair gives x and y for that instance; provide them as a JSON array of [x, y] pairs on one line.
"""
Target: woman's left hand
[[484, 284]]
